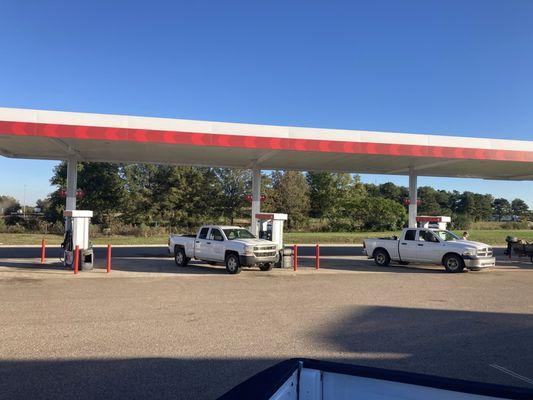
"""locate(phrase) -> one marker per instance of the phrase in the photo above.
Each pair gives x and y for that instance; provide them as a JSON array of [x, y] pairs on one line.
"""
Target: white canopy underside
[[54, 135]]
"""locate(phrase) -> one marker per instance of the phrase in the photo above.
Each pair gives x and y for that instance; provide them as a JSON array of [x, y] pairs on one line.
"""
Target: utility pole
[[24, 203]]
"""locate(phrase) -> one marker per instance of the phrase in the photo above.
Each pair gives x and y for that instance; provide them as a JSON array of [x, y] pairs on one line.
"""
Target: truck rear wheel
[[453, 263], [180, 258], [381, 258], [233, 264], [266, 266]]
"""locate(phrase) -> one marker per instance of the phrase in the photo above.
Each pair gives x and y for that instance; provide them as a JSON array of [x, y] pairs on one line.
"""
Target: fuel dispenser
[[271, 228], [430, 222], [77, 224]]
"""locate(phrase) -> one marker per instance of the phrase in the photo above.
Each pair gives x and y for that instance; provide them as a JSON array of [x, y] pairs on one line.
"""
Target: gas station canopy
[[53, 135]]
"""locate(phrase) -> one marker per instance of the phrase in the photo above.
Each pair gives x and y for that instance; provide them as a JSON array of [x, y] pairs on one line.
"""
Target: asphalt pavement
[[153, 330]]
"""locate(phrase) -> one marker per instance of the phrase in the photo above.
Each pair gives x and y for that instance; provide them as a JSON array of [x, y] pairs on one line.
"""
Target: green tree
[[322, 193], [8, 205], [289, 193], [429, 204], [332, 193], [8, 210], [501, 207], [347, 201], [186, 196], [519, 207], [474, 205], [393, 192], [235, 185], [140, 186], [378, 213], [103, 188]]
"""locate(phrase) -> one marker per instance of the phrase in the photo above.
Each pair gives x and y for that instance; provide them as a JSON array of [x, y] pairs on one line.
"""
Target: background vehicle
[[430, 246], [231, 245]]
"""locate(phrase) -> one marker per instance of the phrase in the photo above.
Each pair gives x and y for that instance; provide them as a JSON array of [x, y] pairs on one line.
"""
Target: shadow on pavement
[[449, 343], [458, 344], [135, 378]]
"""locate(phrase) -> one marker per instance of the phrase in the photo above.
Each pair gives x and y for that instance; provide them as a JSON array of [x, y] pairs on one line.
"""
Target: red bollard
[[108, 264], [295, 257], [76, 258], [43, 251], [317, 257]]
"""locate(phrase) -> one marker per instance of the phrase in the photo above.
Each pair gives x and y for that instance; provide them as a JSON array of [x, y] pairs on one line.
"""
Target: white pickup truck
[[431, 246], [230, 245]]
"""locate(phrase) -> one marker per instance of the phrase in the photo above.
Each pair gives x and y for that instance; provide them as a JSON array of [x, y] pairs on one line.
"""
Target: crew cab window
[[238, 233], [447, 236], [427, 236], [216, 235], [410, 235], [203, 233]]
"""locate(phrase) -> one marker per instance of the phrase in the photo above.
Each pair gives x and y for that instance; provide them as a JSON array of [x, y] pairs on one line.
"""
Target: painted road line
[[512, 373]]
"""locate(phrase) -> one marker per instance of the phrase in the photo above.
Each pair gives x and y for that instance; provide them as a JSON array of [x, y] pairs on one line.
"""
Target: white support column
[[72, 183], [256, 198], [413, 208]]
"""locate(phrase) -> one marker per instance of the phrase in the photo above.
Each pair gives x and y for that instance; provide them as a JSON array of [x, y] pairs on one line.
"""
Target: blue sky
[[426, 66]]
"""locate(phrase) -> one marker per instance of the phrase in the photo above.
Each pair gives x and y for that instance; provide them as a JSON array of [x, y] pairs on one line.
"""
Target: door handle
[[208, 242], [404, 244], [420, 244], [197, 241]]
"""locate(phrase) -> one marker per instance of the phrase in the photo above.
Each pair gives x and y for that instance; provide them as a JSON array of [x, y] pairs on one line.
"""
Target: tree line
[[182, 198]]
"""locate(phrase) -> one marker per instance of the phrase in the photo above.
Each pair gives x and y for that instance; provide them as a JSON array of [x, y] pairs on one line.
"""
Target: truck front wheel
[[233, 265], [181, 259], [381, 258], [454, 263]]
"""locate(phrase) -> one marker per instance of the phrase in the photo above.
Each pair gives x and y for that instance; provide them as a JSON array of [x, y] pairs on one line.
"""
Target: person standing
[[465, 235]]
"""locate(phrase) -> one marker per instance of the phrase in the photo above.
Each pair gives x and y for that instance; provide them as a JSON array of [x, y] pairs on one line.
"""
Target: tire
[[454, 263], [266, 266], [381, 258], [233, 264], [180, 258]]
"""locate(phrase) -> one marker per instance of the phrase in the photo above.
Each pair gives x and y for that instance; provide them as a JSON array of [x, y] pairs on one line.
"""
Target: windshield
[[446, 235], [238, 233]]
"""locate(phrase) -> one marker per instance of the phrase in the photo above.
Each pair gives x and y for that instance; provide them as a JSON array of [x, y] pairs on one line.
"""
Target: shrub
[[515, 225], [15, 229], [57, 228]]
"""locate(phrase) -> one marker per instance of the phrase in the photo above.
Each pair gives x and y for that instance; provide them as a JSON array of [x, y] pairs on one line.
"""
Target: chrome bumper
[[253, 260], [476, 263]]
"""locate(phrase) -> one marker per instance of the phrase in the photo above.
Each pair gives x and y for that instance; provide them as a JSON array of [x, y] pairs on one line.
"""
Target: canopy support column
[[413, 208], [256, 198], [72, 183]]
